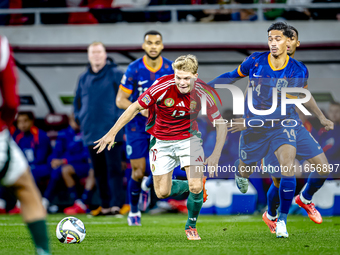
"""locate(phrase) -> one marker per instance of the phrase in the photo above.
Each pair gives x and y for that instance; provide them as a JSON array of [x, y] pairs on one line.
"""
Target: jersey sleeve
[[243, 69], [128, 80], [150, 96], [8, 83]]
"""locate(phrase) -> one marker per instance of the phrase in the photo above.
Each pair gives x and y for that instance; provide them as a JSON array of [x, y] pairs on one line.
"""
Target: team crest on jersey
[[146, 99], [169, 102], [281, 83], [193, 105], [153, 168], [243, 154]]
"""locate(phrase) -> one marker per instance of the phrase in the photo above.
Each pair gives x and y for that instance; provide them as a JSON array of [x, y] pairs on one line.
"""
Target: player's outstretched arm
[[226, 78], [109, 138], [314, 108], [212, 161]]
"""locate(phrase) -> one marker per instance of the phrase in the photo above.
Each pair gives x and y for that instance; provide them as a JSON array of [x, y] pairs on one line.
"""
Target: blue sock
[[314, 183], [237, 162], [73, 193], [134, 191], [52, 184], [287, 191], [149, 181], [86, 197], [273, 200]]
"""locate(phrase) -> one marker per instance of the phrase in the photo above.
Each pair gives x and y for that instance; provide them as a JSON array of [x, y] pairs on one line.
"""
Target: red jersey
[[172, 115], [8, 80]]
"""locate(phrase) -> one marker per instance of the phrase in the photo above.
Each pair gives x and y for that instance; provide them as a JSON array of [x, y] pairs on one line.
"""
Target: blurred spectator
[[244, 14], [297, 13], [68, 160], [4, 4], [35, 144], [272, 14], [80, 17], [96, 111], [326, 14], [330, 140]]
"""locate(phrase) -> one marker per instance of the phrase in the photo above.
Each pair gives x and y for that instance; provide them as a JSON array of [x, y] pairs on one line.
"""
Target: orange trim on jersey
[[126, 90], [239, 72], [151, 69], [273, 68], [306, 87], [291, 97]]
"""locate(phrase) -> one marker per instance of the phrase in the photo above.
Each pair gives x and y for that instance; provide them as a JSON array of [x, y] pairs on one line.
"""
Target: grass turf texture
[[164, 234]]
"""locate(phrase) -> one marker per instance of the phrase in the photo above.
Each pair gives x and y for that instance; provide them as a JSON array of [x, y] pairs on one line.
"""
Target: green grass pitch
[[164, 234]]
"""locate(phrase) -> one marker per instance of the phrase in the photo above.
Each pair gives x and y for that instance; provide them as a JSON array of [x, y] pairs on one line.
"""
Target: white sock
[[135, 214], [271, 217], [305, 201]]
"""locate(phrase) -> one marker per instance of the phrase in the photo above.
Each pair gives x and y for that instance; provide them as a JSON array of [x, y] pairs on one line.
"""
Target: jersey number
[[154, 152], [257, 88], [292, 133], [180, 113]]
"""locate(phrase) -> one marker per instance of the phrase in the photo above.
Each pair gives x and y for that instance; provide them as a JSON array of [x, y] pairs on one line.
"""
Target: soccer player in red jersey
[[14, 169], [174, 102]]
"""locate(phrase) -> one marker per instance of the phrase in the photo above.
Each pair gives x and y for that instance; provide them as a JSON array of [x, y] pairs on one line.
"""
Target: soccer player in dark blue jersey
[[138, 77], [268, 72], [307, 149]]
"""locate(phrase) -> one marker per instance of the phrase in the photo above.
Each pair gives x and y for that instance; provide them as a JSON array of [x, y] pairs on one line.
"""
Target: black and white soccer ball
[[71, 230]]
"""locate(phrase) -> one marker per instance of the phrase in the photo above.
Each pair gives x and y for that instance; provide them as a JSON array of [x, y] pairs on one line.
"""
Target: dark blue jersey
[[138, 77], [263, 77], [35, 144]]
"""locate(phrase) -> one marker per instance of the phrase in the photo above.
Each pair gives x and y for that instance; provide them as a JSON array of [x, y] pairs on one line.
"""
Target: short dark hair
[[153, 32], [294, 29], [29, 114], [281, 26]]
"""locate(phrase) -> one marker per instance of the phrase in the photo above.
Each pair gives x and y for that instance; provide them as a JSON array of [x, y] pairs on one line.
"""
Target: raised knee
[[137, 174], [195, 188], [67, 170], [162, 193]]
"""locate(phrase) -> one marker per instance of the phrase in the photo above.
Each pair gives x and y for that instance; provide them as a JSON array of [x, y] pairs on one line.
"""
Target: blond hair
[[187, 63], [96, 43]]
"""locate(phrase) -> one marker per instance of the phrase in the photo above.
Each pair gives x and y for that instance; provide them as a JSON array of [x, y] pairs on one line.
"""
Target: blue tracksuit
[[95, 102], [36, 146]]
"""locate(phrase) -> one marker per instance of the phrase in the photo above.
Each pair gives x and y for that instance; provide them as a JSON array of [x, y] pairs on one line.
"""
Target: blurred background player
[[176, 140], [139, 76], [36, 147], [96, 111], [307, 149], [68, 160], [330, 140], [14, 170], [35, 144]]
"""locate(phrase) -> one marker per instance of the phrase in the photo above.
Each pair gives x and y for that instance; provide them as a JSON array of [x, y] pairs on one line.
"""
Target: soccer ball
[[71, 230]]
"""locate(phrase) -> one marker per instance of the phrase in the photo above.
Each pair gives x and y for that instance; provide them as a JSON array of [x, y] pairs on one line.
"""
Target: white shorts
[[12, 161], [166, 155]]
